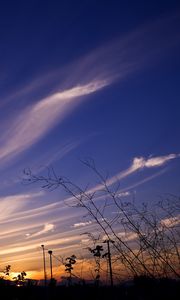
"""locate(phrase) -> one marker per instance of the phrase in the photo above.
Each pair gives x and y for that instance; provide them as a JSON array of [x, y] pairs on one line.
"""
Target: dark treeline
[[141, 288]]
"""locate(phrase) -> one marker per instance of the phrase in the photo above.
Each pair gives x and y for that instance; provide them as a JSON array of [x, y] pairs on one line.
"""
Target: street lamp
[[50, 256], [109, 259], [44, 263]]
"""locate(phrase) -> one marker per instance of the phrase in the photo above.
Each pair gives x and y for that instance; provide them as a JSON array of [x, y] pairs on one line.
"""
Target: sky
[[83, 79]]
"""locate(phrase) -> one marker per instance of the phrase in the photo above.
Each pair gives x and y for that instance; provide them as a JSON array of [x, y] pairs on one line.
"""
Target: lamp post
[[50, 257], [44, 263], [109, 260]]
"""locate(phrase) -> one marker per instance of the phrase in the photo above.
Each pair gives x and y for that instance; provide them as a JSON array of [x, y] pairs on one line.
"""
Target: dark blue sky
[[82, 79]]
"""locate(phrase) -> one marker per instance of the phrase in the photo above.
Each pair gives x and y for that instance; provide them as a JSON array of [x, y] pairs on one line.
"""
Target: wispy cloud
[[138, 163], [65, 238], [124, 194], [36, 120], [82, 224], [15, 204], [89, 74], [124, 236], [171, 222], [127, 236], [140, 182], [47, 228], [54, 154], [12, 204]]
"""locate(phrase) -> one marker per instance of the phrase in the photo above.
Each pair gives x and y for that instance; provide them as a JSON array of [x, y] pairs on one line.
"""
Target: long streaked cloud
[[36, 120], [171, 221], [63, 238], [67, 237], [87, 75], [15, 204], [124, 236], [22, 248], [82, 224], [138, 163], [142, 181], [127, 236], [47, 228], [20, 230], [57, 154], [12, 204], [36, 213]]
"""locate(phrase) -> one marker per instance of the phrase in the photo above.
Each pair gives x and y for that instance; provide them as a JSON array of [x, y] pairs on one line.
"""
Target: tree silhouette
[[20, 278], [70, 261], [97, 253]]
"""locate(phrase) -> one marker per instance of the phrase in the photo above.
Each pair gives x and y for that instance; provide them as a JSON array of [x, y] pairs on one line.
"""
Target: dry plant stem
[[154, 242]]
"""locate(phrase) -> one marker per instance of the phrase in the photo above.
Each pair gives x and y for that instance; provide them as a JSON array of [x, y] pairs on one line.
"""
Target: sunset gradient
[[82, 79]]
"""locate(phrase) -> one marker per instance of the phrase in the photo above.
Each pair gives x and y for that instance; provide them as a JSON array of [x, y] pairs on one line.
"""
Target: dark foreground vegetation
[[137, 238], [141, 288]]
